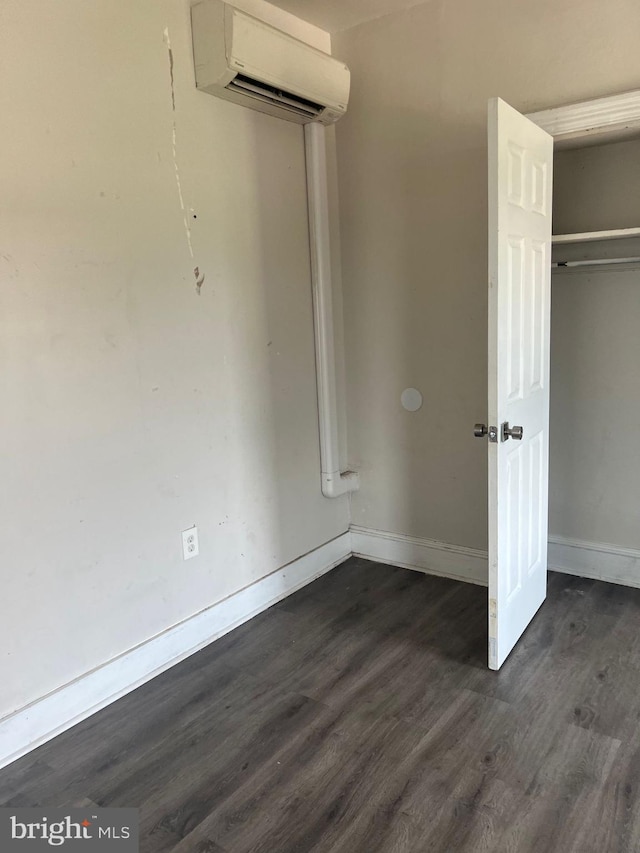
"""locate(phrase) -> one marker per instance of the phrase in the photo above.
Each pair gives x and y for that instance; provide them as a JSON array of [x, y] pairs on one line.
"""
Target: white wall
[[132, 406], [412, 166]]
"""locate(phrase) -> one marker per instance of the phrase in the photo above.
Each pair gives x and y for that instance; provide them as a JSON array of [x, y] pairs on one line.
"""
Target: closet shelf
[[592, 236]]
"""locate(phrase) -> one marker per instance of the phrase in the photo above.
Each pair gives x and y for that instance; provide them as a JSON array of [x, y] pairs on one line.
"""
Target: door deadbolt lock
[[480, 430], [511, 432]]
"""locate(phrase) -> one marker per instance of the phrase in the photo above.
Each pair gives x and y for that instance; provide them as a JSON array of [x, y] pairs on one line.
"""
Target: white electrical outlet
[[190, 543]]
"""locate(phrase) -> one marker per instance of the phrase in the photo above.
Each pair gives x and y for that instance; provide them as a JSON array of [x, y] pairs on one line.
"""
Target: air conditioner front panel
[[257, 50], [241, 59]]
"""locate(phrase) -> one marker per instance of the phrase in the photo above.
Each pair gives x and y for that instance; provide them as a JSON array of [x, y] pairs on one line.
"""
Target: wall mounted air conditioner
[[244, 60]]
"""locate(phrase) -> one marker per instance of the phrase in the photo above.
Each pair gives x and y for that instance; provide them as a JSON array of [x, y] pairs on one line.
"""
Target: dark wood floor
[[358, 715]]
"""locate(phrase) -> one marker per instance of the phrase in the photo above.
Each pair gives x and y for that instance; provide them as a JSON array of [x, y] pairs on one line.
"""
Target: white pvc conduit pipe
[[334, 482]]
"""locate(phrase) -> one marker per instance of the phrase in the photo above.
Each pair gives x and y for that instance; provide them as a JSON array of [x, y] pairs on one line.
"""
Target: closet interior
[[594, 488]]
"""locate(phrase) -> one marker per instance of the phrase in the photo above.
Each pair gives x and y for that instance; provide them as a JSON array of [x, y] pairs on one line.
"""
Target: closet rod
[[595, 262]]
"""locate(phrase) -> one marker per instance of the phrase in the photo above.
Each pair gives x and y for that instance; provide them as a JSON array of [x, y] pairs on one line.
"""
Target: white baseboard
[[595, 560], [423, 555], [37, 723], [573, 557]]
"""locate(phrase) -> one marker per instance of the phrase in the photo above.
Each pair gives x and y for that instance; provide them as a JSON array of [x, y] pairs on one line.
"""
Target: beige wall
[[132, 407], [412, 166], [595, 353]]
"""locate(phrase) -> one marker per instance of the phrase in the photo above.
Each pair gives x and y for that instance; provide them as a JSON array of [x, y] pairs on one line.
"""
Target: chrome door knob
[[511, 432], [480, 430]]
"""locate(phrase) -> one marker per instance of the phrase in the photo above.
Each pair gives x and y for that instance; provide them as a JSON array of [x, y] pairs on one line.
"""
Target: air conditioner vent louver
[[272, 95]]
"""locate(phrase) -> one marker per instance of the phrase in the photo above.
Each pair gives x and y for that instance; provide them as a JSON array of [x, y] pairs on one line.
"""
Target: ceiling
[[335, 15]]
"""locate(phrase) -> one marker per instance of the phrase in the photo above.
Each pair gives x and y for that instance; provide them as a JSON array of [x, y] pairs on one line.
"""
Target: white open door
[[520, 199]]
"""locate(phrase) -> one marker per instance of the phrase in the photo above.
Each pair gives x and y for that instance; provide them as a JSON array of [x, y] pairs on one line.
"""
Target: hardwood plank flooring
[[358, 715]]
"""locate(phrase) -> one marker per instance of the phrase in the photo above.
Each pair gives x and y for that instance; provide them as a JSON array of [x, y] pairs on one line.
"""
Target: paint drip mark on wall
[[199, 276], [173, 88], [187, 230]]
